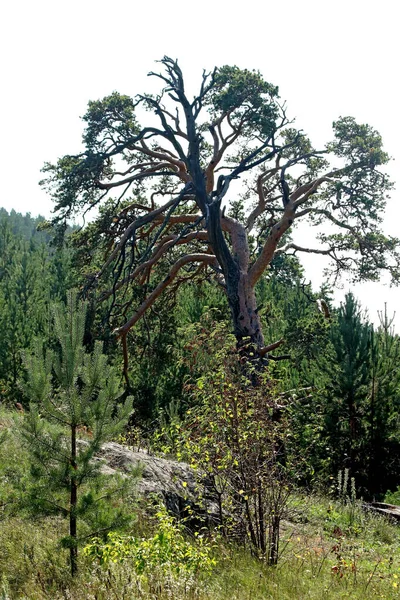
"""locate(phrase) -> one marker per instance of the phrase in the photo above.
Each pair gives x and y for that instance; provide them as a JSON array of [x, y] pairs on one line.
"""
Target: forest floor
[[328, 550]]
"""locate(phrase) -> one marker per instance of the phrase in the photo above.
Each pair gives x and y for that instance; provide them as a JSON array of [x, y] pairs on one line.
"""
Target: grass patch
[[318, 562], [329, 551]]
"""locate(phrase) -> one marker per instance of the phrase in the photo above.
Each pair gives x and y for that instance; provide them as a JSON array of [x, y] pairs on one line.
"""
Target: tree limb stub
[[267, 349]]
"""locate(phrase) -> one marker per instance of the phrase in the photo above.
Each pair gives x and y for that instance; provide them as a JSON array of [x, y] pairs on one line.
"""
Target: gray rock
[[175, 483]]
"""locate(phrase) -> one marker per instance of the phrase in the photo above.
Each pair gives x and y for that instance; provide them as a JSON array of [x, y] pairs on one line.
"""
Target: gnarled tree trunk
[[242, 302], [235, 268]]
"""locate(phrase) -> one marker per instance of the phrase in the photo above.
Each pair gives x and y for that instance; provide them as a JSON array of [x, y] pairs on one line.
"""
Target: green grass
[[324, 556], [313, 566], [329, 551]]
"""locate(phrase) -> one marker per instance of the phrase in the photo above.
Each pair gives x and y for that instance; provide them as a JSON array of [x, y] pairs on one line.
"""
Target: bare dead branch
[[296, 248], [151, 171], [160, 251], [205, 258], [266, 349], [262, 200], [267, 253], [136, 225]]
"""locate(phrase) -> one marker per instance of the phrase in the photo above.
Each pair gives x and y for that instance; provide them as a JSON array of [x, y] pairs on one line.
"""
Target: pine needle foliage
[[72, 394]]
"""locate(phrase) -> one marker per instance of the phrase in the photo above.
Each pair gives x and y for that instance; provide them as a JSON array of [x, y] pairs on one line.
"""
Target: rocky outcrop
[[175, 483]]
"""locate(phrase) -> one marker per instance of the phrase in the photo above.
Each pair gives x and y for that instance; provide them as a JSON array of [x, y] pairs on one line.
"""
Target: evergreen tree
[[32, 275], [71, 392], [346, 401], [384, 407]]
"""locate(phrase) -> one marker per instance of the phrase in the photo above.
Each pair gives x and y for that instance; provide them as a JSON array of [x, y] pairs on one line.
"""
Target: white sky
[[329, 59]]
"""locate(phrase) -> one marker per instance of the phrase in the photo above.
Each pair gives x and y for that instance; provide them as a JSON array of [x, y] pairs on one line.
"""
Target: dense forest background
[[339, 385]]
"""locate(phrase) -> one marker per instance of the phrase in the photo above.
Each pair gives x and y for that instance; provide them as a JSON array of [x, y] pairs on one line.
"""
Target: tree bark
[[242, 302], [73, 505], [235, 267]]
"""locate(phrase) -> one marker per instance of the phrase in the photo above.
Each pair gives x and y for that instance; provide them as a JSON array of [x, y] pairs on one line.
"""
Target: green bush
[[393, 497], [168, 552]]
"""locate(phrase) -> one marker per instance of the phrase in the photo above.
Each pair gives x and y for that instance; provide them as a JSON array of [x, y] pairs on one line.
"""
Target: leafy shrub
[[235, 434], [168, 552]]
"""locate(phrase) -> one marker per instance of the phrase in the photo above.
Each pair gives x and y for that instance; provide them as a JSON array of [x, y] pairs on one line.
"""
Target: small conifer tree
[[72, 394]]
